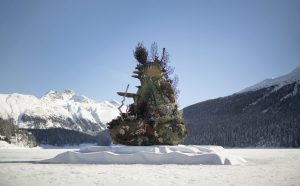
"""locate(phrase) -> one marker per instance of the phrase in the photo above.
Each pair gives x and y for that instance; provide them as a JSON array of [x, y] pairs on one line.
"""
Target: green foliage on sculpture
[[153, 118], [141, 53]]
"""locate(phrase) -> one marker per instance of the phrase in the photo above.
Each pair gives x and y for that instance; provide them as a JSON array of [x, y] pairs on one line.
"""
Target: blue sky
[[216, 47]]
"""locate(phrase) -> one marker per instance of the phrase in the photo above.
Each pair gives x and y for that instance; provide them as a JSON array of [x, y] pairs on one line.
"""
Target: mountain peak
[[69, 92], [52, 95], [57, 110], [50, 92]]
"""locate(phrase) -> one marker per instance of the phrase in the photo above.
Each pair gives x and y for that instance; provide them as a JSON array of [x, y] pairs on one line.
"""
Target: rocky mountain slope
[[266, 114], [58, 110]]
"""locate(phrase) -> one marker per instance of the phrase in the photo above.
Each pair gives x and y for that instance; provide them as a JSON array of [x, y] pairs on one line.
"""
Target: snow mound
[[5, 145], [181, 154]]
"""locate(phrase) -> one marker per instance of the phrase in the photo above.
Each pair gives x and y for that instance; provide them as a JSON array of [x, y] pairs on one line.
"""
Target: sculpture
[[153, 118]]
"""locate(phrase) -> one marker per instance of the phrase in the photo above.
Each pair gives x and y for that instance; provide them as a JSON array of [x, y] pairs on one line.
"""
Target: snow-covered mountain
[[265, 114], [58, 110], [278, 82]]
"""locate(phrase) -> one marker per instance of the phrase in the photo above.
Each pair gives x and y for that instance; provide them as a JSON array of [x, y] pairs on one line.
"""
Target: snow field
[[263, 167]]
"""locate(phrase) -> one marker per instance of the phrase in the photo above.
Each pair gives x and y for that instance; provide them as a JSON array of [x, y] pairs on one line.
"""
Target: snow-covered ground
[[264, 167]]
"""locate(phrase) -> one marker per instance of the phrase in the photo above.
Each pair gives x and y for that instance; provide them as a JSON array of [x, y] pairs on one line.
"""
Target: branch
[[119, 108]]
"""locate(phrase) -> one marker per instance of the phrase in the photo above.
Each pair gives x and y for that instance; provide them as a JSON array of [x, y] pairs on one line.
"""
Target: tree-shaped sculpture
[[153, 118]]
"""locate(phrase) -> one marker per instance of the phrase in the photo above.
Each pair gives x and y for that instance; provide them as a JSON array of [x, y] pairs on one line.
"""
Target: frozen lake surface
[[263, 167]]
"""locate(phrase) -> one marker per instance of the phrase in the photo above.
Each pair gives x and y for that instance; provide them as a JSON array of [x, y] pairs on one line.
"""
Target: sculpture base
[[181, 154]]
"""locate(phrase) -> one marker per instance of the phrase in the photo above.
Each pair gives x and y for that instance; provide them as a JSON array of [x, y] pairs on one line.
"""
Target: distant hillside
[[10, 133], [266, 114], [60, 137]]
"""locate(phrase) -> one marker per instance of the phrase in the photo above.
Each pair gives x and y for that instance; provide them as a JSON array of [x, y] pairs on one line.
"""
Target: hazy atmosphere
[[217, 48]]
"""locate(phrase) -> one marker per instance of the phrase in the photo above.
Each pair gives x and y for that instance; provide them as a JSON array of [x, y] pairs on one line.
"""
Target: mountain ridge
[[58, 110], [293, 76], [266, 114]]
